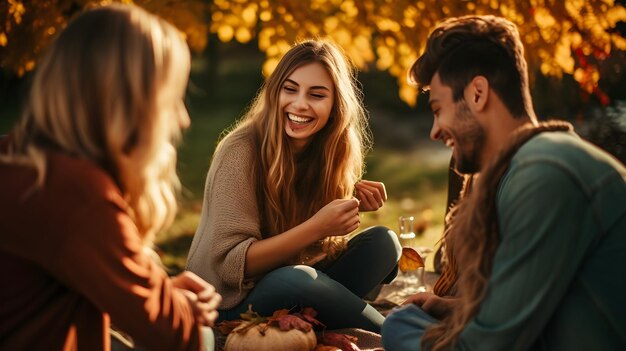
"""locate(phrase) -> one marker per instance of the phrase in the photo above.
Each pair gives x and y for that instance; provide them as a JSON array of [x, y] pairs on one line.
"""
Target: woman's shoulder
[[237, 144], [82, 178]]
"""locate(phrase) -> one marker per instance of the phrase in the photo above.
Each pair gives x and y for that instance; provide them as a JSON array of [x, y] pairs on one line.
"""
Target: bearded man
[[537, 249]]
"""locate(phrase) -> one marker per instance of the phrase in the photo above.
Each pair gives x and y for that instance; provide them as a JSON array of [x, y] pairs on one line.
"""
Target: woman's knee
[[290, 276], [302, 280], [385, 240]]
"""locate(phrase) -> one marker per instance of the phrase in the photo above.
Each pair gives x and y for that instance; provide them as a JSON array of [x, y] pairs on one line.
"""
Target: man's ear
[[477, 93]]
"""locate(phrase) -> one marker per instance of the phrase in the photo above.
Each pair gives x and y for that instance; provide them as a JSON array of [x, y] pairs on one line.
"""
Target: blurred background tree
[[576, 51]]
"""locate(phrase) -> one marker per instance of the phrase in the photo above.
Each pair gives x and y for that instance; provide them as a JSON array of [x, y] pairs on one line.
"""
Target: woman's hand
[[201, 295], [371, 194], [339, 217], [434, 305]]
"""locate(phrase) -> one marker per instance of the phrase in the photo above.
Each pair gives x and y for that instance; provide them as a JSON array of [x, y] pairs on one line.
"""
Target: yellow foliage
[[349, 8], [388, 34], [243, 35], [619, 42], [269, 66], [615, 15], [543, 18], [342, 37], [265, 16], [17, 9], [264, 38], [330, 24], [563, 57], [546, 69], [385, 58], [579, 74], [225, 33]]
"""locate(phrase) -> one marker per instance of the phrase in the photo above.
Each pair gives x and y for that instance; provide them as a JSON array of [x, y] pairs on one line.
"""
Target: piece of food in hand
[[410, 260]]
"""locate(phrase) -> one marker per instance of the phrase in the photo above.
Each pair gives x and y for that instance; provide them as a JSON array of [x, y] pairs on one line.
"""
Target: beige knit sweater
[[229, 223]]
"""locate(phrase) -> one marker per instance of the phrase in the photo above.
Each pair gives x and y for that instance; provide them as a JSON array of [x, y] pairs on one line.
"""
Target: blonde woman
[[279, 199], [87, 178]]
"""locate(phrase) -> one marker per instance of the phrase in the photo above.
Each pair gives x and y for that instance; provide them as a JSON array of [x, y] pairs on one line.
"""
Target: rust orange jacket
[[71, 260]]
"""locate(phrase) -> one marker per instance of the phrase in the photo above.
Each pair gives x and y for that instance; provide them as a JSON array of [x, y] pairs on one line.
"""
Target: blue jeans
[[404, 328], [337, 291]]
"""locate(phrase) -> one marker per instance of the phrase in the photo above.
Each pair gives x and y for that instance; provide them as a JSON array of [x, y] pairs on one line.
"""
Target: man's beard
[[469, 140]]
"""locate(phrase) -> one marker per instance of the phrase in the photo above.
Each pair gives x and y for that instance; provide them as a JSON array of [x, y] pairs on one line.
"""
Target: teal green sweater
[[559, 273]]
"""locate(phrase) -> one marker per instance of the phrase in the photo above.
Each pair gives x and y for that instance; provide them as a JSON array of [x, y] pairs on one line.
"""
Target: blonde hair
[[293, 187], [110, 90]]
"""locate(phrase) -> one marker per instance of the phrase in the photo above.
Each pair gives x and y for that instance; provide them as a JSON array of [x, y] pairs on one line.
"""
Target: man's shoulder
[[568, 152], [550, 145], [557, 167]]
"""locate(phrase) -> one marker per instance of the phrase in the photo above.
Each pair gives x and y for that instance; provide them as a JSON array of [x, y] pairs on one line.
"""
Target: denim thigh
[[371, 259], [294, 287]]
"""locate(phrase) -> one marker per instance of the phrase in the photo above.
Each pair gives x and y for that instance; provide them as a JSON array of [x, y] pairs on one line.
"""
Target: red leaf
[[289, 322], [279, 313], [341, 341], [308, 314], [309, 311]]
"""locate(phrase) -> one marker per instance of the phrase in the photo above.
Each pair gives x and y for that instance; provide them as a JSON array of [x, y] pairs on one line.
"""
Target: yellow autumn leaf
[[410, 260]]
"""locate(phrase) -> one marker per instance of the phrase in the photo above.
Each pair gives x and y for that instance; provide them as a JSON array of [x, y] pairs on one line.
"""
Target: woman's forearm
[[267, 254]]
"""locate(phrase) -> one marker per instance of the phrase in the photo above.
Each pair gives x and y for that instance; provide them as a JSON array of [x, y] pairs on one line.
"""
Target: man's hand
[[434, 305], [201, 296], [372, 195]]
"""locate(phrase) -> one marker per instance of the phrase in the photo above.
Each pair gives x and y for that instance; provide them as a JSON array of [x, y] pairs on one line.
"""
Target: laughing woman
[[279, 203]]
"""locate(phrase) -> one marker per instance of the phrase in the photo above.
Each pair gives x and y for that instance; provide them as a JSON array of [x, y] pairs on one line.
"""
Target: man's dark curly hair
[[462, 48]]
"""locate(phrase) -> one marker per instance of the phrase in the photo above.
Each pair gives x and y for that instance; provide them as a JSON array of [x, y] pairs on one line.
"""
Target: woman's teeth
[[298, 119]]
